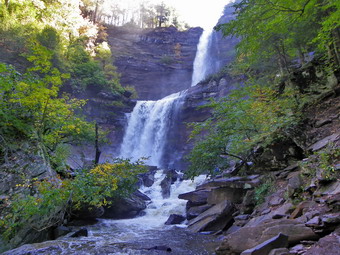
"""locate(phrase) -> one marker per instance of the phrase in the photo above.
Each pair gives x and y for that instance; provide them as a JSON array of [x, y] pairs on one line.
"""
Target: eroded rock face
[[249, 237], [156, 62]]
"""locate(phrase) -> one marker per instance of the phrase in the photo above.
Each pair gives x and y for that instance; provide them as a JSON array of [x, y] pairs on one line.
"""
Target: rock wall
[[155, 62]]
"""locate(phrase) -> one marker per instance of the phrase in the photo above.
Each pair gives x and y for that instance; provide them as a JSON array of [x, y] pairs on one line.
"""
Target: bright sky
[[203, 13]]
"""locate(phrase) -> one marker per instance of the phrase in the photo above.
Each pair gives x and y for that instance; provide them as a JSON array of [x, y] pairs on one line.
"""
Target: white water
[[159, 210], [201, 58], [147, 129], [202, 62]]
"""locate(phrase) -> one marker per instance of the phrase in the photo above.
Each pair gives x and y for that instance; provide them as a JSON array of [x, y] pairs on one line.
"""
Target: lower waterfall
[[147, 129], [137, 236]]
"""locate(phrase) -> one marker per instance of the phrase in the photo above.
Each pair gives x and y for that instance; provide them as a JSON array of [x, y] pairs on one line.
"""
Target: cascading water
[[147, 129], [200, 64], [203, 63], [136, 236]]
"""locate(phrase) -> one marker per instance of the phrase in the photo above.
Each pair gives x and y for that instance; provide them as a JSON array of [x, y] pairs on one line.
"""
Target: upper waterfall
[[147, 129], [203, 63]]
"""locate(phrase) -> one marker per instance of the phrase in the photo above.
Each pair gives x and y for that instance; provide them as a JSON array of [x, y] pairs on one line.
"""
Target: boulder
[[80, 232], [236, 182], [60, 231], [88, 213], [251, 236], [194, 211], [166, 187], [234, 195], [175, 219], [279, 241], [294, 183], [170, 178], [327, 245], [197, 197], [124, 207], [141, 195], [147, 179], [214, 219]]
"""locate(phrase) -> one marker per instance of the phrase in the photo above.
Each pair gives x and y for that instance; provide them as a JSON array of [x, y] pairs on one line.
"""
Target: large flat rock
[[249, 237], [213, 219]]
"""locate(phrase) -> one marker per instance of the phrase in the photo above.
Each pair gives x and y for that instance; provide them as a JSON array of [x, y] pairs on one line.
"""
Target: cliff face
[[155, 62]]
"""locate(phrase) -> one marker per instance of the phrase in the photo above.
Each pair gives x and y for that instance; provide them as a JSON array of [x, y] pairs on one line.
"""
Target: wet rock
[[125, 207], [88, 213], [175, 219], [170, 178], [213, 219], [166, 186], [60, 231], [147, 179], [279, 241], [160, 248], [141, 195], [194, 211], [197, 197], [80, 232]]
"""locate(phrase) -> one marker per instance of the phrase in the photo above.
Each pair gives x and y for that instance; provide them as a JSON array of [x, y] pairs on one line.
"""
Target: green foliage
[[41, 210], [277, 32], [32, 110], [263, 190], [167, 60], [328, 159], [44, 203], [105, 180], [248, 116]]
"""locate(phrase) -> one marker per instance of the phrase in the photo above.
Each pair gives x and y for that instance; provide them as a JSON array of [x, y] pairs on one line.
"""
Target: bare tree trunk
[[98, 152]]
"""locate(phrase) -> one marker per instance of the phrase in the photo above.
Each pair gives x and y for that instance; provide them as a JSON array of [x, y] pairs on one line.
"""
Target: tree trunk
[[98, 152]]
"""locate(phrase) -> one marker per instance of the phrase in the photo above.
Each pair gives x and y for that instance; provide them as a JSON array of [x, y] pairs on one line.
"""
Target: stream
[[138, 235]]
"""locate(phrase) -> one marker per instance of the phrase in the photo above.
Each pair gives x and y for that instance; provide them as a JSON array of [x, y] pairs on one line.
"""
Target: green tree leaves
[[250, 115], [284, 30]]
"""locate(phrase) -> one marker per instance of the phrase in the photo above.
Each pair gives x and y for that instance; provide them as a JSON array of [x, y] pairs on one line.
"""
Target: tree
[[32, 109], [250, 115], [284, 30], [163, 13]]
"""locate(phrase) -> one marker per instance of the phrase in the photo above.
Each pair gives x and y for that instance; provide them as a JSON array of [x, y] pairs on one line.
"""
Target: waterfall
[[147, 129], [203, 63], [200, 62]]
